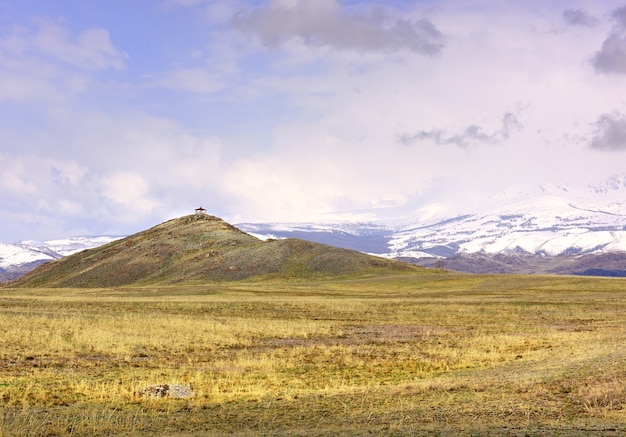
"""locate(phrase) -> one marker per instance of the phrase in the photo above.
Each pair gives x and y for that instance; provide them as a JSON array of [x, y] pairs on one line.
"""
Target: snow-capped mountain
[[546, 221], [19, 258], [17, 254], [68, 246]]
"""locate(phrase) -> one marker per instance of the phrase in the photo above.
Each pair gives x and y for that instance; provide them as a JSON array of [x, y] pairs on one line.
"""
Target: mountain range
[[561, 229], [545, 229]]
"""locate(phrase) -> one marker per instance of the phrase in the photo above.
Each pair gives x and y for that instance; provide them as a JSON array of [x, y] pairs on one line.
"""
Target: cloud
[[619, 15], [15, 178], [27, 86], [195, 80], [578, 17], [327, 23], [67, 172], [43, 61], [611, 58], [130, 190], [470, 136], [295, 109], [610, 133], [168, 3], [92, 49], [121, 169]]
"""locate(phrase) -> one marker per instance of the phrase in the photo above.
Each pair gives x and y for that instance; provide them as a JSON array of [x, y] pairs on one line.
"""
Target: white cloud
[[92, 49], [185, 3], [68, 172], [130, 190], [46, 62], [26, 87], [507, 89], [70, 208], [15, 177], [195, 80], [111, 170], [215, 11]]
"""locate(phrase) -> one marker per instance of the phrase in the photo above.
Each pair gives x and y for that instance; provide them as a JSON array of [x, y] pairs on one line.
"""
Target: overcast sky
[[117, 115]]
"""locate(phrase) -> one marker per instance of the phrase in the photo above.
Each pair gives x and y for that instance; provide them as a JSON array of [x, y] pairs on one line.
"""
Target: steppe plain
[[409, 353]]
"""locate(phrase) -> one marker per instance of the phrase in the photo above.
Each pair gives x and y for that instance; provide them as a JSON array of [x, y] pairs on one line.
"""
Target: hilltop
[[201, 247]]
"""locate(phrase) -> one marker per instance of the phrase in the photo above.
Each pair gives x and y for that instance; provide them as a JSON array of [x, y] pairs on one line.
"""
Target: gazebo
[[201, 211]]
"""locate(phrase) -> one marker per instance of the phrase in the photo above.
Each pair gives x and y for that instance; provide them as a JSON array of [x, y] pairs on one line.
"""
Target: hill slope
[[202, 248]]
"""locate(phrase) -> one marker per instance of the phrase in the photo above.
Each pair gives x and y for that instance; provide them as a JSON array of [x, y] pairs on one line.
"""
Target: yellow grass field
[[413, 354]]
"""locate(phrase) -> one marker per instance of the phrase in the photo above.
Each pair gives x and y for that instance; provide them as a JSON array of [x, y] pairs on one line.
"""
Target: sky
[[118, 115]]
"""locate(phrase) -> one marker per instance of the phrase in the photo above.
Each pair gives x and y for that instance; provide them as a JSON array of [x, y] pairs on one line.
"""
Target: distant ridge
[[201, 248]]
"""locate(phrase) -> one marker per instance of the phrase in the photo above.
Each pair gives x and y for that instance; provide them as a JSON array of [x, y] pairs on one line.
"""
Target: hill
[[199, 248]]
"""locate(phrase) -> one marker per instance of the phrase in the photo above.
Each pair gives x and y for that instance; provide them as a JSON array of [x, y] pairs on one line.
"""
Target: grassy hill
[[200, 248]]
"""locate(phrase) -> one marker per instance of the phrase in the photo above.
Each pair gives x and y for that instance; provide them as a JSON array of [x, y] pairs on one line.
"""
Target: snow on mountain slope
[[546, 221], [68, 246], [24, 252], [18, 254]]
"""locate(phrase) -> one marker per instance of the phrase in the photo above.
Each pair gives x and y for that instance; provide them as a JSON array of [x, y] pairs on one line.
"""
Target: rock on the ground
[[172, 391]]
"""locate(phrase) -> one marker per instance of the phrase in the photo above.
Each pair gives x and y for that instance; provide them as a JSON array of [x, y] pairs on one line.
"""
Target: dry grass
[[419, 355]]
